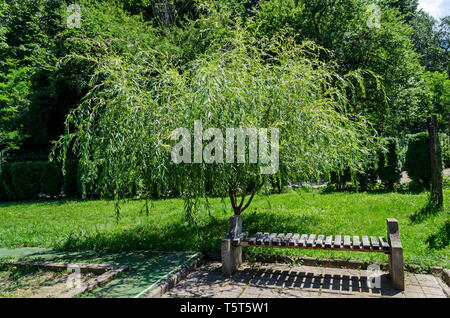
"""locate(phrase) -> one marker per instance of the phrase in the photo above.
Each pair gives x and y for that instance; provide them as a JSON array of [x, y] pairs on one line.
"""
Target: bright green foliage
[[389, 167], [439, 84], [60, 60], [417, 161], [14, 102]]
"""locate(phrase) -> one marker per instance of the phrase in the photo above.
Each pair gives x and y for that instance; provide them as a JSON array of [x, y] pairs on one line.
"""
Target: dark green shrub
[[389, 167], [445, 149], [71, 179], [417, 161], [27, 179], [367, 179], [51, 179], [340, 180], [5, 190]]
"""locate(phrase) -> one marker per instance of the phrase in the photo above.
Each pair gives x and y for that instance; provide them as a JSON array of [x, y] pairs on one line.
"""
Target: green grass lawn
[[82, 225]]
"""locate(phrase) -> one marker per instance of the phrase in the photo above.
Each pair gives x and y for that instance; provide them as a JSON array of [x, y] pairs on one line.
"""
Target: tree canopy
[[330, 75]]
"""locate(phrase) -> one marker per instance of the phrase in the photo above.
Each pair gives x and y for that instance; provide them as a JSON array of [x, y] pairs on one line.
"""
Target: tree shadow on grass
[[441, 238], [430, 209], [180, 236]]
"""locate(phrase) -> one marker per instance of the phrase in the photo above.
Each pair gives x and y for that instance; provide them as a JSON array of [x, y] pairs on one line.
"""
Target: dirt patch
[[32, 282]]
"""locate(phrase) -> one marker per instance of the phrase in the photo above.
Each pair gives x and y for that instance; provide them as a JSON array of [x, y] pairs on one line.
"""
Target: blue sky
[[436, 8]]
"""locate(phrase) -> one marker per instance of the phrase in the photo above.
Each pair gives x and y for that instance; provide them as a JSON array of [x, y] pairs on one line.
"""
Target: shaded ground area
[[280, 281], [25, 282], [146, 269]]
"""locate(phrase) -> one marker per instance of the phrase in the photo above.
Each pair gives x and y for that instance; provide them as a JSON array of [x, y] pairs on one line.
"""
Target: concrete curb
[[173, 280], [446, 276]]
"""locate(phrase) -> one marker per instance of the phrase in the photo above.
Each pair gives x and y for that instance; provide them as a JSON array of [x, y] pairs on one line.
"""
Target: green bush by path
[[85, 225], [28, 179], [389, 168], [417, 160], [25, 180], [71, 179], [445, 149]]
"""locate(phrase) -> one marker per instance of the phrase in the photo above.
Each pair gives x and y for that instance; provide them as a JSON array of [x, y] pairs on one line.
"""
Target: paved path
[[406, 179], [145, 268], [284, 281]]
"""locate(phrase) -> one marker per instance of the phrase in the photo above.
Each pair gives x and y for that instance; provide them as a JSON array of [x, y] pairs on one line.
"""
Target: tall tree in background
[[431, 41], [342, 27]]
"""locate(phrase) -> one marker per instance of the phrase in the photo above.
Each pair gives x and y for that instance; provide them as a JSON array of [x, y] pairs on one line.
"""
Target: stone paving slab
[[258, 280]]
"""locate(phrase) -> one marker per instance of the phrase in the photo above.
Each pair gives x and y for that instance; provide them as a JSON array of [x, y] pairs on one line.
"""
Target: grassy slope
[[92, 224]]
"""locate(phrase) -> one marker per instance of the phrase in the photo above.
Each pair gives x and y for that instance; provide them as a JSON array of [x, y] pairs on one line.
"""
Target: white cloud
[[437, 8]]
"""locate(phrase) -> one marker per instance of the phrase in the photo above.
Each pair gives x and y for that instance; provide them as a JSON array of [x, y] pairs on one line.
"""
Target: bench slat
[[365, 243], [311, 239], [302, 241], [319, 241], [261, 240], [384, 244], [275, 240], [270, 238], [347, 241], [337, 241], [278, 239], [285, 242], [328, 241], [314, 241], [374, 243], [242, 237], [356, 243], [294, 239]]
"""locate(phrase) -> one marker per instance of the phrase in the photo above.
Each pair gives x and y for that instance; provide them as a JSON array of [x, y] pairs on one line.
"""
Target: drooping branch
[[242, 200], [249, 201]]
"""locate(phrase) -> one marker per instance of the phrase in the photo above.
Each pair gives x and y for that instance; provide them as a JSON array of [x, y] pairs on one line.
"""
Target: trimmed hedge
[[389, 166], [417, 161], [445, 149], [388, 170], [26, 180], [71, 184]]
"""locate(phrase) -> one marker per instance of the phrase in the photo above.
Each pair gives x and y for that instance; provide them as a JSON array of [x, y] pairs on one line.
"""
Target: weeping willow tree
[[123, 132]]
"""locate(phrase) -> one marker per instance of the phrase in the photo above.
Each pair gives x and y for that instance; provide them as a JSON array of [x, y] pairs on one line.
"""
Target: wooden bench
[[234, 241]]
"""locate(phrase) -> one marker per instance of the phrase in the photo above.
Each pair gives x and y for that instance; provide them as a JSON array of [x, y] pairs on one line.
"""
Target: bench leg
[[396, 268], [396, 256], [231, 257]]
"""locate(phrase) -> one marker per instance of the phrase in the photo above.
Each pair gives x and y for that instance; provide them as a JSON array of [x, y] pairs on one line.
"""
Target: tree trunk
[[436, 166], [239, 208]]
